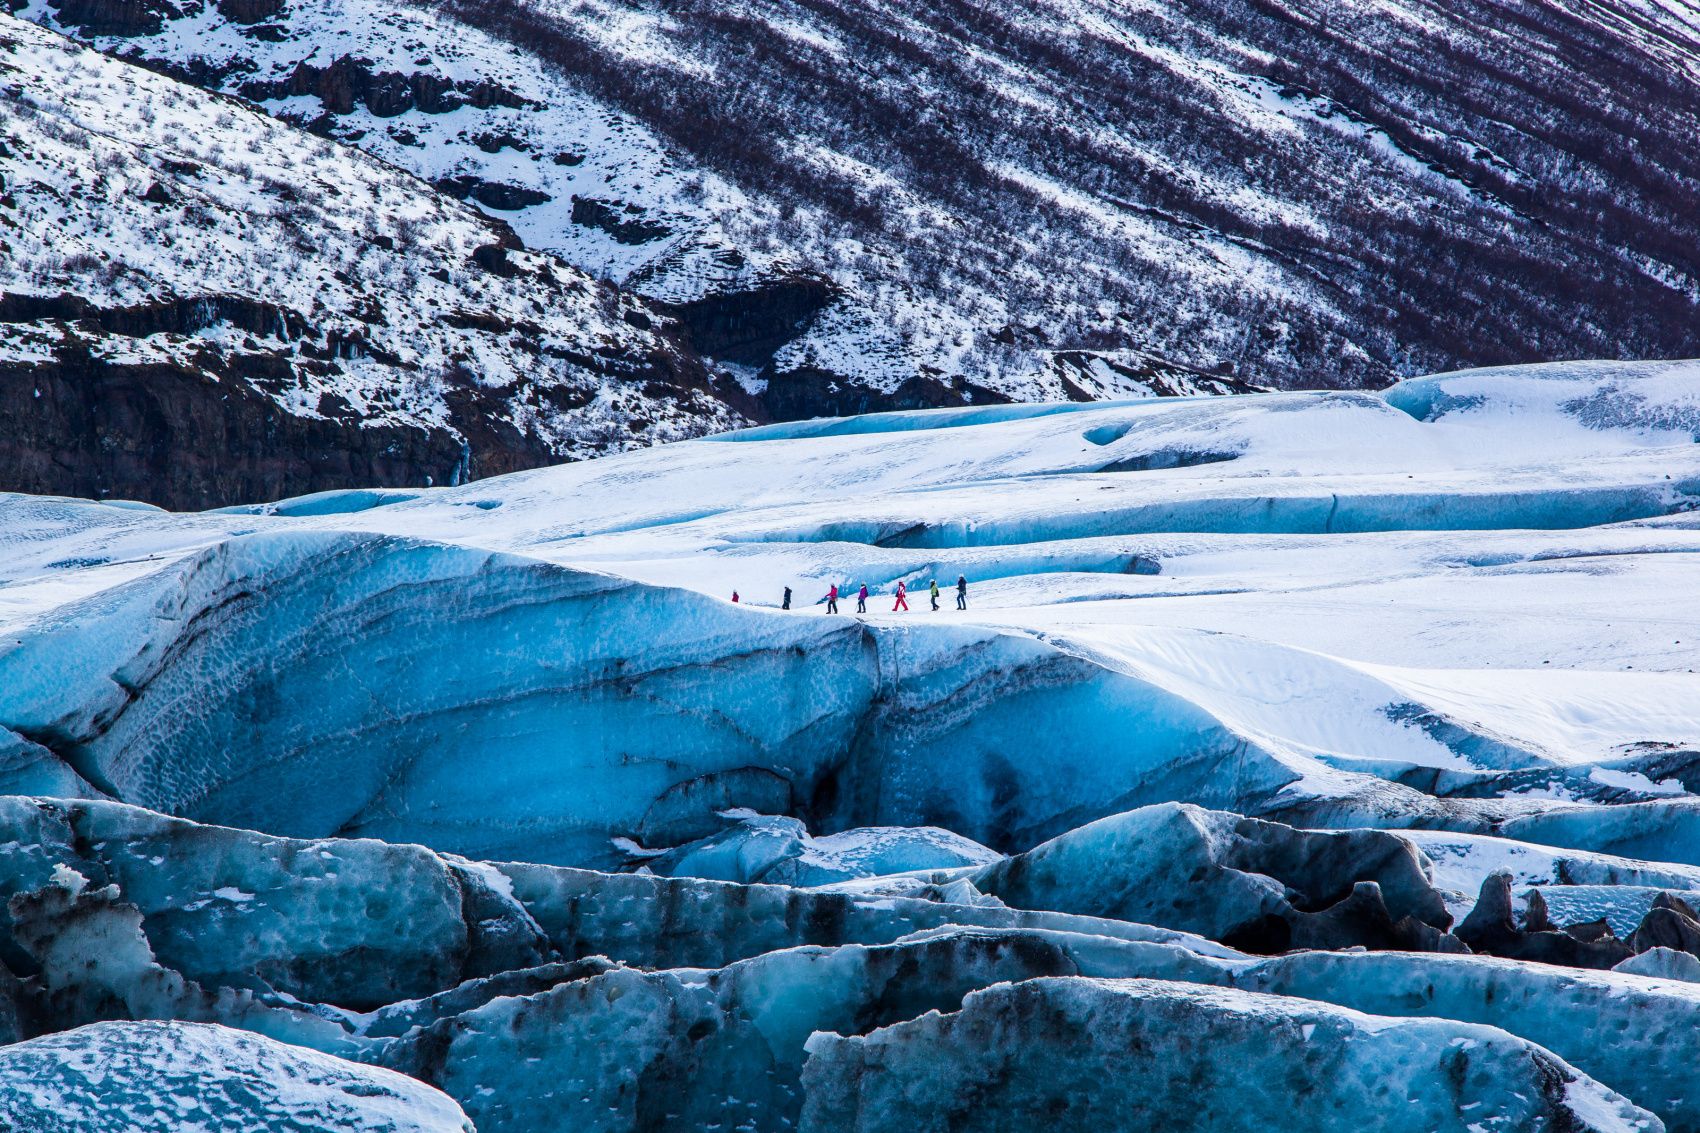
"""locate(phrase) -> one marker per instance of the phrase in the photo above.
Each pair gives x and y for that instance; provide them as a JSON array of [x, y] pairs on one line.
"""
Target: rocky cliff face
[[91, 427]]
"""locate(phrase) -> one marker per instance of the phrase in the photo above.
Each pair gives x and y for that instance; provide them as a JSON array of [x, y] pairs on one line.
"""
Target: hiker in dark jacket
[[961, 592], [786, 605]]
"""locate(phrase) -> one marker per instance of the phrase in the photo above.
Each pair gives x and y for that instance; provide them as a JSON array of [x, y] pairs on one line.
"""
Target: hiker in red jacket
[[832, 599], [902, 602]]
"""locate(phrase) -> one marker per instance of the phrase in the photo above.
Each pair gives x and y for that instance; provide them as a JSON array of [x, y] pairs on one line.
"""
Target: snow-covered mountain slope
[[1264, 713], [202, 305], [893, 205]]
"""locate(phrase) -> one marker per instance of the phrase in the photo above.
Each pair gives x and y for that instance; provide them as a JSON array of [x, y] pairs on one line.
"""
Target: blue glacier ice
[[629, 1050], [495, 706], [359, 923], [523, 943], [780, 850], [1627, 1031], [1258, 884], [1143, 1054], [1663, 964]]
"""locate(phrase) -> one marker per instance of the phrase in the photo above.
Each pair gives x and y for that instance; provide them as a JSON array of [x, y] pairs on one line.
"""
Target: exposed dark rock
[[747, 326], [115, 17], [624, 223], [1589, 932], [497, 142], [793, 395], [172, 316], [190, 438], [1492, 928], [493, 194], [1670, 923], [175, 437], [389, 93], [1361, 920], [347, 82], [1535, 916], [493, 258], [249, 11]]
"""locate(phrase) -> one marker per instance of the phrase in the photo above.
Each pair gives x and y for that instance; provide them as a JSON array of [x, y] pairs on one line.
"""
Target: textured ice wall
[[316, 684], [1140, 1054], [1631, 1033], [684, 1049]]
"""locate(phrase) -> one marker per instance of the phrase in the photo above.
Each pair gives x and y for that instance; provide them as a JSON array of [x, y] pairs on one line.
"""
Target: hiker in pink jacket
[[902, 602], [862, 599], [832, 599]]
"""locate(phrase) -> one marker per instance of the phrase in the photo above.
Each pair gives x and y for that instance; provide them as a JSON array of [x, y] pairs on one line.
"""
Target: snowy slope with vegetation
[[187, 272], [889, 206]]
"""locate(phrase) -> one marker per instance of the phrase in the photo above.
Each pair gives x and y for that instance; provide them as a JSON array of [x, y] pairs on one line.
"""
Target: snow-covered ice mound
[[170, 1077], [1409, 672]]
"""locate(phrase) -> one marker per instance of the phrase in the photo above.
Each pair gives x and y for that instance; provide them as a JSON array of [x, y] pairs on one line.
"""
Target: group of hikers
[[902, 603]]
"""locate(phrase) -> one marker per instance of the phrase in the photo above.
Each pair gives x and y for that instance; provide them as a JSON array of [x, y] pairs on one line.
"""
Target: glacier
[[1366, 750]]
